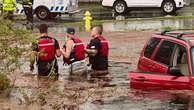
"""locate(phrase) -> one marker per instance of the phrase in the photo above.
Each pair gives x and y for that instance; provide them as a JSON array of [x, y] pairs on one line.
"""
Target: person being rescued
[[74, 53]]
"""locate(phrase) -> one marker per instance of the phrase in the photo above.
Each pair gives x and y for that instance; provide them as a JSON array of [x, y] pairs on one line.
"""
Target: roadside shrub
[[4, 82], [13, 43]]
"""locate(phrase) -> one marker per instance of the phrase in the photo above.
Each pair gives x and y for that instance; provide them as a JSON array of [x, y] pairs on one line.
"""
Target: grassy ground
[[90, 5]]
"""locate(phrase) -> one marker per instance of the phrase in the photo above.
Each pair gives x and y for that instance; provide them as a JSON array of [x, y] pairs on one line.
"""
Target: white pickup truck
[[50, 8], [121, 6]]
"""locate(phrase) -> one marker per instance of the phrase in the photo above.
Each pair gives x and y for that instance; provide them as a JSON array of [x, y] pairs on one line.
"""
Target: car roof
[[187, 37]]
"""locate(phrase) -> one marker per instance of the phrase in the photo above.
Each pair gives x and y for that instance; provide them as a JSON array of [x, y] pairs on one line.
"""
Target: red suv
[[166, 62]]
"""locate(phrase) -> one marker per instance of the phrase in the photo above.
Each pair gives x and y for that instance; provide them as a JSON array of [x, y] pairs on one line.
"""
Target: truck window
[[165, 52], [151, 47]]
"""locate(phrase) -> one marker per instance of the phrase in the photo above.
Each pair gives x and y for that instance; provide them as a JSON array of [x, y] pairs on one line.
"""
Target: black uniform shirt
[[98, 62]]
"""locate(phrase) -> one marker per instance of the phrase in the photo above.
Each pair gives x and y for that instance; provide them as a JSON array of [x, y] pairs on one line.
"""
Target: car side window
[[164, 53], [180, 60], [151, 47]]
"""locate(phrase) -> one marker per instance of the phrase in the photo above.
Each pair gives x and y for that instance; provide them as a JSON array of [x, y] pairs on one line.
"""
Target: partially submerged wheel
[[120, 7], [42, 13], [168, 7]]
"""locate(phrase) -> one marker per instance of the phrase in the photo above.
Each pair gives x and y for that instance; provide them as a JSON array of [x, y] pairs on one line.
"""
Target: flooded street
[[79, 93], [126, 39]]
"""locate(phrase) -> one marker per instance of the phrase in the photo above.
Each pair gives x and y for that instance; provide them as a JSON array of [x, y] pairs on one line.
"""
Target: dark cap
[[70, 30]]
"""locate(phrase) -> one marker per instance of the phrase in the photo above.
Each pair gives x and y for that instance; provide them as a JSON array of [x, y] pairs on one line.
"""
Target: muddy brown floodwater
[[80, 93]]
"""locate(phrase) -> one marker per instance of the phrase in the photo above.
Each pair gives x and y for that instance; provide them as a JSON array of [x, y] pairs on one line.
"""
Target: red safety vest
[[78, 52], [46, 47], [104, 46]]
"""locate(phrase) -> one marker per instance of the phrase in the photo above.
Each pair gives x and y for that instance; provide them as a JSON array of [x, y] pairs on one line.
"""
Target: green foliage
[[4, 82], [13, 42], [41, 98], [167, 28], [56, 106]]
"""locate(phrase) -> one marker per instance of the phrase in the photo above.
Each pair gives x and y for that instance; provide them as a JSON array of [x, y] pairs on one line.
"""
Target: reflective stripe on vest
[[103, 41], [46, 44], [8, 5], [79, 44]]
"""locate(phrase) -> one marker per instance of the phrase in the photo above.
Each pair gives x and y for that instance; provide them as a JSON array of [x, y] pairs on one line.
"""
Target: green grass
[[167, 28], [90, 5]]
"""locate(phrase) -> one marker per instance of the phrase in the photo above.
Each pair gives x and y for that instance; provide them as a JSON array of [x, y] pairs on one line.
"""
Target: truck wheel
[[168, 7], [43, 13], [120, 7]]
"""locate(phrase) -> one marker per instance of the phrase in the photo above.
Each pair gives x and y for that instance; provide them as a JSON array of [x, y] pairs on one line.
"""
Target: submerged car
[[166, 62], [121, 6]]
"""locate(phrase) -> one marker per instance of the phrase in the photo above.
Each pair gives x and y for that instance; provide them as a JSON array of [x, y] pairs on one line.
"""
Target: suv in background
[[121, 6], [167, 62]]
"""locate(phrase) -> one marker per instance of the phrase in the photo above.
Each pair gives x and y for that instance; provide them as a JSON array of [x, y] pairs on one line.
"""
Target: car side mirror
[[175, 71]]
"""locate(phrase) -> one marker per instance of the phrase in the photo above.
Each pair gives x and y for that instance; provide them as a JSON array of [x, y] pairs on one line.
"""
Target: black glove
[[31, 67]]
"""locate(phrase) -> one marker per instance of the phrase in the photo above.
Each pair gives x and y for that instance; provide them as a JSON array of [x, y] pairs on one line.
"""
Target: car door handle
[[141, 79]]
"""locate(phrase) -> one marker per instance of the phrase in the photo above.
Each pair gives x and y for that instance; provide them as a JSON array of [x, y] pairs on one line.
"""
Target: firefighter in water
[[8, 8], [98, 51], [28, 9], [74, 53], [45, 50]]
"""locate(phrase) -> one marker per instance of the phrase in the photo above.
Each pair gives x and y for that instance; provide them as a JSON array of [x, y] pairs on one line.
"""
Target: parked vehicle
[[121, 6], [45, 9], [166, 62]]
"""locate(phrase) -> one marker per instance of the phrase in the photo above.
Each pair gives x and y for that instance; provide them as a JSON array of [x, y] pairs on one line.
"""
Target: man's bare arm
[[67, 52], [91, 52]]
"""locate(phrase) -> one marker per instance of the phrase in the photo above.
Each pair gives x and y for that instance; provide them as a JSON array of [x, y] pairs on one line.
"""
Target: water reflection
[[132, 25], [152, 100], [129, 100]]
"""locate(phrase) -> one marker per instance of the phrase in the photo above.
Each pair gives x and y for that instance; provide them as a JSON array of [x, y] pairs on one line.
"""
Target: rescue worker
[[28, 9], [8, 8], [45, 50], [74, 53], [98, 51], [1, 6]]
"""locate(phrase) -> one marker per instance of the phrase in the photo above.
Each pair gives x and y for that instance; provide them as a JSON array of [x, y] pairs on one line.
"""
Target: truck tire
[[43, 13], [168, 7], [120, 7]]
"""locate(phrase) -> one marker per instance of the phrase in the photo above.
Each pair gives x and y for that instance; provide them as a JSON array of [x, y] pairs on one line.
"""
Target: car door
[[163, 56], [158, 81], [157, 3], [146, 61], [141, 3], [173, 55], [192, 75]]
